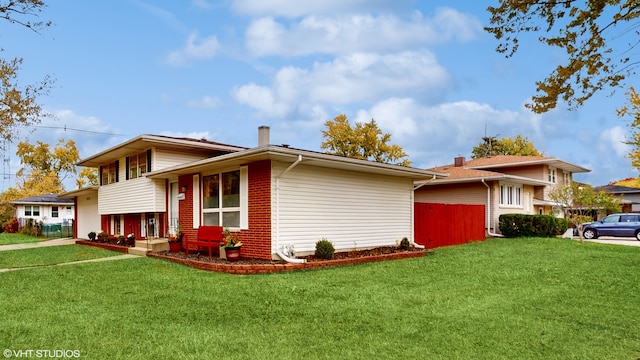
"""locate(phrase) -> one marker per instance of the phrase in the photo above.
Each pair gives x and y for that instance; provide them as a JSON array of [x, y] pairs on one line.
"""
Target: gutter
[[279, 251], [489, 211]]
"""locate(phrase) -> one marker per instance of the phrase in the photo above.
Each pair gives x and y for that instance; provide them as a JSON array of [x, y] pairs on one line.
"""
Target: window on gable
[[552, 175], [221, 199], [510, 195]]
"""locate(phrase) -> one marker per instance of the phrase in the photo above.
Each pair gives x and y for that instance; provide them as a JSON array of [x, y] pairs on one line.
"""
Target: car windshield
[[611, 219]]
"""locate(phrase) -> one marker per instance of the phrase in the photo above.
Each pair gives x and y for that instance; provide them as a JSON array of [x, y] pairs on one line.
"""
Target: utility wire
[[65, 128]]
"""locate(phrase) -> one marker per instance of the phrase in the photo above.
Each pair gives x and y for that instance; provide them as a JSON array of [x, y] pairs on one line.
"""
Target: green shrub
[[404, 244], [523, 225], [324, 249]]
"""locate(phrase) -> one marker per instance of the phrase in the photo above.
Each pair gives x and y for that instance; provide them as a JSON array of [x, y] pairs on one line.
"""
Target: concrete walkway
[[57, 242], [615, 241]]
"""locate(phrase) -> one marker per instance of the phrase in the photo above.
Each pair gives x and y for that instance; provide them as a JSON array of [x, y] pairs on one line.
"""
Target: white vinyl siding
[[164, 158], [350, 209], [134, 196], [89, 219]]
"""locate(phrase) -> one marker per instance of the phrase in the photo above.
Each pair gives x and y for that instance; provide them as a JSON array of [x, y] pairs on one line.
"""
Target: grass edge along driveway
[[499, 299]]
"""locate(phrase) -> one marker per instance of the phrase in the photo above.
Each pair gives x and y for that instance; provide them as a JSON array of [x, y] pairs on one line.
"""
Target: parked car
[[619, 225]]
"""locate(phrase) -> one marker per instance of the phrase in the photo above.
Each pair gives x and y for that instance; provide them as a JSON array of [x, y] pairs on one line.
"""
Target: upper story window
[[31, 210], [553, 175], [567, 178], [138, 164], [510, 195], [109, 173]]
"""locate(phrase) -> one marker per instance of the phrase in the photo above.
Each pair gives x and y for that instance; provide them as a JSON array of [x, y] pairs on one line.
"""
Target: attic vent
[[459, 161]]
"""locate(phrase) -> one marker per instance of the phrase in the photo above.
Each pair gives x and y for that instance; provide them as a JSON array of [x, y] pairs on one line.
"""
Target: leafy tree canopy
[[363, 141], [492, 146], [632, 111], [585, 30], [18, 105], [44, 170]]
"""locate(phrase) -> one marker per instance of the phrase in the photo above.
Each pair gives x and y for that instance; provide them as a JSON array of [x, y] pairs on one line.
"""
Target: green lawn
[[50, 255], [500, 299], [6, 239]]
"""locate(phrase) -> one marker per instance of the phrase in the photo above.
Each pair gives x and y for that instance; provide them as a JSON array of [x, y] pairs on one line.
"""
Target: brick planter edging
[[271, 268], [112, 247]]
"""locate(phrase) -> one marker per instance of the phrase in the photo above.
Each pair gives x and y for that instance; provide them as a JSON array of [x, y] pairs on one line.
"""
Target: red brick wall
[[256, 241], [185, 211]]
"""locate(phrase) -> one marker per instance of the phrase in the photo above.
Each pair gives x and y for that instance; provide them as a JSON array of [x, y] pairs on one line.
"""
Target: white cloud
[[614, 138], [202, 4], [260, 98], [347, 79], [358, 33], [192, 135], [206, 102], [194, 48]]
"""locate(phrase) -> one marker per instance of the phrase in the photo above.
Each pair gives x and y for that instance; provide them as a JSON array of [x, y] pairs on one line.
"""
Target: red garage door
[[448, 224]]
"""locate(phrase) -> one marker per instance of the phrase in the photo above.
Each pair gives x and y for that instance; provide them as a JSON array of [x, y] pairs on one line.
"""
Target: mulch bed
[[260, 266]]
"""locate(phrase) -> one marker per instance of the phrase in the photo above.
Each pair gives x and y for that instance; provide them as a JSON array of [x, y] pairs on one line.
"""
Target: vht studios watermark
[[41, 353]]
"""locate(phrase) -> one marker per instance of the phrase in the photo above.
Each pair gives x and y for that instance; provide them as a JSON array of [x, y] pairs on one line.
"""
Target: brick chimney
[[263, 135], [459, 161]]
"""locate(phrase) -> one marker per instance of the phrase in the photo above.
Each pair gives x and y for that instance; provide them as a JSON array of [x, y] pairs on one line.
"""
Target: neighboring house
[[503, 184], [47, 209], [274, 197], [629, 197]]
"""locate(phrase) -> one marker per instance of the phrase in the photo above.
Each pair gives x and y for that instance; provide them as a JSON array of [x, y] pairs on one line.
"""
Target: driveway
[[615, 241]]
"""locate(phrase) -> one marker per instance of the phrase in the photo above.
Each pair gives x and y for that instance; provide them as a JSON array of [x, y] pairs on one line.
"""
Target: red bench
[[208, 237]]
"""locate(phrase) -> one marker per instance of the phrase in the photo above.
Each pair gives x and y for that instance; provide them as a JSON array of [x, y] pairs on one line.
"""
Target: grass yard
[[7, 239], [50, 255], [500, 299]]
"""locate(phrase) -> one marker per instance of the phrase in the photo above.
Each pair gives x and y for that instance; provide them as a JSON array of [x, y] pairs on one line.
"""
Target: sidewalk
[[55, 242]]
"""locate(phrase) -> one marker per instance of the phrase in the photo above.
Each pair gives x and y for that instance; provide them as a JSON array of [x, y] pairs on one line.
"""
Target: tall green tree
[[492, 146], [363, 141], [578, 201], [585, 30]]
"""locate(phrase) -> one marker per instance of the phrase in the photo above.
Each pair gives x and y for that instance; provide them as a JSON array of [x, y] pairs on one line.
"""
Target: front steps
[[145, 246]]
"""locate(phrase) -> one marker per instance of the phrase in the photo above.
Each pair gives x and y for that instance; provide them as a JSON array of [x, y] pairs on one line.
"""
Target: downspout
[[278, 250], [489, 211], [413, 220]]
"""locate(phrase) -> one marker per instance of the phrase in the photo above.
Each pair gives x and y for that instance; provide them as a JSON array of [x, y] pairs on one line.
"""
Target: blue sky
[[424, 70]]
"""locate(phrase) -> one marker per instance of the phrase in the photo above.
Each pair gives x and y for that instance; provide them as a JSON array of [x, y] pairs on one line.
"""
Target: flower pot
[[175, 246], [233, 254]]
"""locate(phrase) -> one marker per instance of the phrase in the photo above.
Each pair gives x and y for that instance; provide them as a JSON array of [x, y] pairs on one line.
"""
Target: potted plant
[[175, 242], [231, 247], [131, 240]]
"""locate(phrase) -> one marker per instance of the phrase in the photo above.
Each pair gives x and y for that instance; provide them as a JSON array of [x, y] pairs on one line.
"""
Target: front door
[[132, 225]]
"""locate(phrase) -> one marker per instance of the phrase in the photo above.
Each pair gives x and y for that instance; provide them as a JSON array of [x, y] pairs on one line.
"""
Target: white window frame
[[553, 175], [242, 209], [510, 195], [567, 178]]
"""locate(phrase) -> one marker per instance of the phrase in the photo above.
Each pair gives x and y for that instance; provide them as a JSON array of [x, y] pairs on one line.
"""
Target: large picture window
[[510, 195], [221, 199]]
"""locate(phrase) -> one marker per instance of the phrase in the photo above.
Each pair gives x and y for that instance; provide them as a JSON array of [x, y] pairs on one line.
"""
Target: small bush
[[11, 226], [92, 235], [404, 244], [324, 249]]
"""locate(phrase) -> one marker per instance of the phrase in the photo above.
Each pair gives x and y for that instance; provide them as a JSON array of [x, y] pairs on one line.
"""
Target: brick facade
[[256, 241]]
